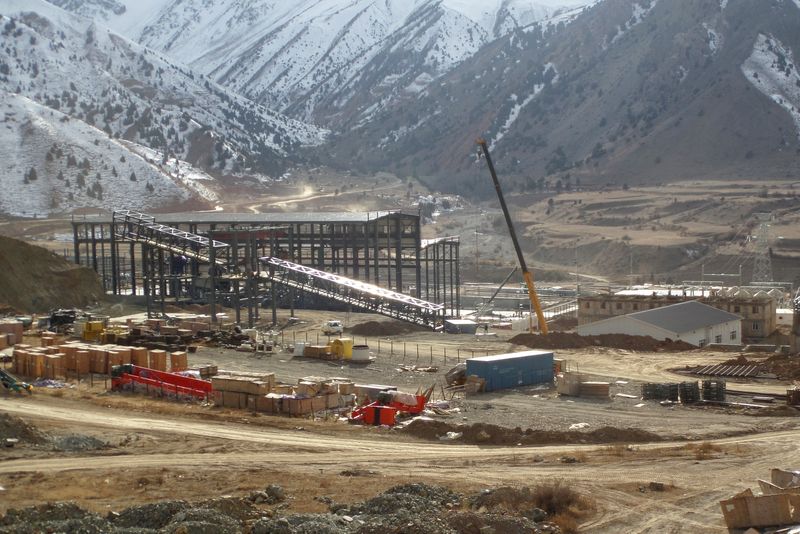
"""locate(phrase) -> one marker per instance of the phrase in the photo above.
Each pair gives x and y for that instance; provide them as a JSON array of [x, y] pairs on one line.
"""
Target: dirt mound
[[78, 442], [486, 434], [568, 340], [384, 328], [783, 366], [15, 428], [33, 279]]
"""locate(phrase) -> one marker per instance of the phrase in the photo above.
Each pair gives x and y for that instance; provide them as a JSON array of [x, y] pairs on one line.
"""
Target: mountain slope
[[312, 57], [606, 92], [121, 91], [628, 92]]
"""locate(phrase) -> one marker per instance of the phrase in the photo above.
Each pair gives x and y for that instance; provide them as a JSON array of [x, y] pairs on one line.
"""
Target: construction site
[[332, 372]]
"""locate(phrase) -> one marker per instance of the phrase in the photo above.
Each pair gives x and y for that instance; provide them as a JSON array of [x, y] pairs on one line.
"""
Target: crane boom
[[526, 274]]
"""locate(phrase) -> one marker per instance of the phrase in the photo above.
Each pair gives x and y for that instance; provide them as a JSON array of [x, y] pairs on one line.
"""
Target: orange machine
[[384, 410]]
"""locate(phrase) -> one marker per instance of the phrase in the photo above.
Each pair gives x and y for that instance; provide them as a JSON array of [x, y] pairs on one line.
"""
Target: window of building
[[702, 343], [733, 334], [603, 305], [718, 339], [588, 305], [736, 309], [619, 305], [755, 327], [755, 309], [635, 306]]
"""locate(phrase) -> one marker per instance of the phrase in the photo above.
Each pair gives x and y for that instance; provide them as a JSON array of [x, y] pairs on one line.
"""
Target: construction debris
[[777, 506]]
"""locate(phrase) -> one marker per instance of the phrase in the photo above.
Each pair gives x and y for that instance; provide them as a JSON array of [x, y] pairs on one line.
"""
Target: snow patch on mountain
[[772, 70], [518, 106], [72, 65], [714, 39], [299, 56], [54, 164], [639, 14], [180, 171]]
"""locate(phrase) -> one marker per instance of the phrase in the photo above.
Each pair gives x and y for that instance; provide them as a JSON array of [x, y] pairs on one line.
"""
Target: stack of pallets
[[714, 390]]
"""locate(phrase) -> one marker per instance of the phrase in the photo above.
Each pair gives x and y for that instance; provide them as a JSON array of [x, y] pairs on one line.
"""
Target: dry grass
[[704, 450], [564, 505], [617, 449]]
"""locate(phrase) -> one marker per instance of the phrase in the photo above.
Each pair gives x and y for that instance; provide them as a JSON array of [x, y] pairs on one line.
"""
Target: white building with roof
[[692, 321]]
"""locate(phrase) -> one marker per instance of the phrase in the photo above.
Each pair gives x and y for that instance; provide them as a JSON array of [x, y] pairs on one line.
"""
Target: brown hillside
[[33, 279]]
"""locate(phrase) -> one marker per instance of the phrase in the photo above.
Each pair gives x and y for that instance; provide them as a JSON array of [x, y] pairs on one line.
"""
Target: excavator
[[526, 274], [12, 384]]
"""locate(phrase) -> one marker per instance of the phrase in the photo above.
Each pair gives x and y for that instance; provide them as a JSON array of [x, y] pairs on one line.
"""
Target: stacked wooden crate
[[260, 393], [232, 391]]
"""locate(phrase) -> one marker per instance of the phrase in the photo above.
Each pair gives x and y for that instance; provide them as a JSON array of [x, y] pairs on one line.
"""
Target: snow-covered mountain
[[596, 91], [315, 58], [107, 95]]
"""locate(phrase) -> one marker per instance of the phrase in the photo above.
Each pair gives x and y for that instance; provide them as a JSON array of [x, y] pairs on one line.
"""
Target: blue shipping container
[[515, 369]]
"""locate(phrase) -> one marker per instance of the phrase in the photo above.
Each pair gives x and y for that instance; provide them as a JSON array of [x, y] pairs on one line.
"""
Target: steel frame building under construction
[[169, 258]]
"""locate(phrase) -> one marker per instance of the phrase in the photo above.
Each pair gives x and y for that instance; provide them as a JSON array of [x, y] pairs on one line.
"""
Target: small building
[[460, 326], [515, 369], [693, 322], [758, 311]]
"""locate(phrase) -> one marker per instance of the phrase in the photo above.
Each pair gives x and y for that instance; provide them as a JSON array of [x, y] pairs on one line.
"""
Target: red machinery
[[129, 376], [384, 410]]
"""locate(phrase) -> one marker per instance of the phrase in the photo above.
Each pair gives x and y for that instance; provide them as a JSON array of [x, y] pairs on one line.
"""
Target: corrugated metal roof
[[223, 217], [684, 316]]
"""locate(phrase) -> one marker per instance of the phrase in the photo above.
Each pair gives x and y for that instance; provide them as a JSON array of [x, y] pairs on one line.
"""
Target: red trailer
[[128, 376]]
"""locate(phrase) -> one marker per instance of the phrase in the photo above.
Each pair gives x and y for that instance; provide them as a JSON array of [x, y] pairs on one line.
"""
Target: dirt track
[[162, 450], [612, 476]]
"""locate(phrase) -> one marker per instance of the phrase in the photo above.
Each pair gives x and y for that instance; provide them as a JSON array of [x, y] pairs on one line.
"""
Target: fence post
[[379, 345], [445, 355], [404, 351], [417, 352], [431, 354], [391, 347]]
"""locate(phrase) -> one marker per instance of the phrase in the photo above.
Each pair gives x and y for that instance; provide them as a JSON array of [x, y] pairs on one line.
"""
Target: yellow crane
[[526, 274]]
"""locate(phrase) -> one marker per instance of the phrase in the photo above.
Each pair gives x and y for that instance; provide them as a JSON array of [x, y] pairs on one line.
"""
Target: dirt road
[[613, 476]]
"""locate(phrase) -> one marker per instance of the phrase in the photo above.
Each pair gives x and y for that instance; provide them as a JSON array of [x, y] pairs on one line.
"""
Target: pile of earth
[[33, 279], [568, 340], [413, 509], [783, 366], [12, 427], [409, 508], [385, 328], [25, 434], [487, 434], [226, 515]]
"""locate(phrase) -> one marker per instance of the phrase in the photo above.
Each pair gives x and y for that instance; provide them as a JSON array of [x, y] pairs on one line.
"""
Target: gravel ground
[[412, 508], [537, 407]]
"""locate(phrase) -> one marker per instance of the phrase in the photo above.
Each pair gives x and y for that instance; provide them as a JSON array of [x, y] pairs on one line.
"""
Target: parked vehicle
[[331, 328]]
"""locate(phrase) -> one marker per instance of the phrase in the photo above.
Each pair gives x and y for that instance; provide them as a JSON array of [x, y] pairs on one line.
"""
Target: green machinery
[[12, 384]]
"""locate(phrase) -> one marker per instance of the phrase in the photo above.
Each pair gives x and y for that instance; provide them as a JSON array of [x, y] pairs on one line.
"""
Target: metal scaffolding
[[170, 260]]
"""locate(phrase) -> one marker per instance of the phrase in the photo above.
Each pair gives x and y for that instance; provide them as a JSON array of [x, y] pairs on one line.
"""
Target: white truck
[[331, 328]]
